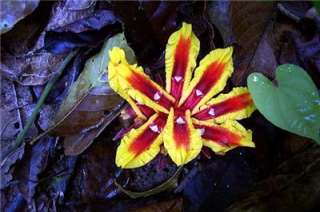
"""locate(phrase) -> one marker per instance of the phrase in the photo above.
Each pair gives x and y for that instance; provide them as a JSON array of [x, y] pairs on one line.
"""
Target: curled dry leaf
[[33, 49], [88, 31], [82, 113]]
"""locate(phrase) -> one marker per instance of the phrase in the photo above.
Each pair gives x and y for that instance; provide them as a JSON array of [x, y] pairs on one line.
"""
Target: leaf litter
[[41, 177]]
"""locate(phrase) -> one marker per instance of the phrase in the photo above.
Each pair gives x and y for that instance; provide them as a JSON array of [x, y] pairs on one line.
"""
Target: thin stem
[[40, 102]]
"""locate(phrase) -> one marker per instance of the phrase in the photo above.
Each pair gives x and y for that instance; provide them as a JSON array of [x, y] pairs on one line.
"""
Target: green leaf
[[291, 103], [316, 4], [93, 76], [82, 115]]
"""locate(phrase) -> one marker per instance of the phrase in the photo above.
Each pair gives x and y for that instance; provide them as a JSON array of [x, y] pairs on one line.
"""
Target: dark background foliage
[[280, 174]]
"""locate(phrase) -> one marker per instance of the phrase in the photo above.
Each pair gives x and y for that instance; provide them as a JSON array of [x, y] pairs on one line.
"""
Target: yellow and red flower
[[184, 116]]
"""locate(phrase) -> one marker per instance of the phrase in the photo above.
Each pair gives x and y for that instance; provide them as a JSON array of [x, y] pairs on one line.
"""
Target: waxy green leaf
[[291, 102]]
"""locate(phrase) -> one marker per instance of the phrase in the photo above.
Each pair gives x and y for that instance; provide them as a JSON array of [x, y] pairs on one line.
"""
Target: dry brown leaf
[[251, 25]]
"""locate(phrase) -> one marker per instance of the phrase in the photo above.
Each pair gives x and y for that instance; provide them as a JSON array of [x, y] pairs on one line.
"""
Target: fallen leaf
[[54, 183], [291, 102], [89, 31], [92, 79], [24, 57], [75, 144], [219, 12], [14, 11], [17, 106], [34, 162], [173, 205], [293, 186], [95, 172], [217, 182], [82, 113], [12, 199], [251, 26], [168, 184]]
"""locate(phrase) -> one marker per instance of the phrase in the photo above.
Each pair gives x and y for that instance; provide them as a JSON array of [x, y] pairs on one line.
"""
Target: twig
[[40, 102]]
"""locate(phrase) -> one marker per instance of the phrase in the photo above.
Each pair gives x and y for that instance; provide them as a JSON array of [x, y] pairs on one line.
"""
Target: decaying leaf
[[16, 108], [168, 184], [219, 15], [172, 205], [83, 110], [251, 28], [13, 11], [30, 63], [34, 162], [88, 31], [294, 186], [75, 144]]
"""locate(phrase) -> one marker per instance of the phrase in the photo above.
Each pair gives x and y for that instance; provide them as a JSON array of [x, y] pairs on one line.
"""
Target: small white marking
[[211, 112], [154, 128], [156, 96], [199, 93], [61, 194], [180, 120], [202, 130], [177, 78], [255, 78]]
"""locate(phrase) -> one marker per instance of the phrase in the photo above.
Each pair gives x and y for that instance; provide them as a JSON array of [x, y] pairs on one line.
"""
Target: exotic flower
[[183, 116]]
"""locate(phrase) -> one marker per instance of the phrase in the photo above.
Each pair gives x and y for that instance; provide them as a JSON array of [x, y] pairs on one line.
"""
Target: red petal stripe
[[233, 104], [145, 139], [207, 81], [181, 132], [220, 135], [139, 82], [147, 111], [180, 66]]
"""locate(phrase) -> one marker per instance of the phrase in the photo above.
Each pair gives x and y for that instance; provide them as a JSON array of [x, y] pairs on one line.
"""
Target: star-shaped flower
[[184, 116]]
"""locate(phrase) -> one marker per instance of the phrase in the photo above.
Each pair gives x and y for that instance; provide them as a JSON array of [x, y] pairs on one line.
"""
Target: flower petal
[[235, 105], [181, 54], [130, 80], [141, 145], [181, 139], [209, 79], [224, 137], [147, 111]]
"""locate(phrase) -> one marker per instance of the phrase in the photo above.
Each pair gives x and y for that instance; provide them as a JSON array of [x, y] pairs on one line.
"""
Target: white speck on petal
[[198, 92], [154, 128], [177, 78], [255, 78], [156, 96], [201, 131], [180, 120], [211, 112]]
